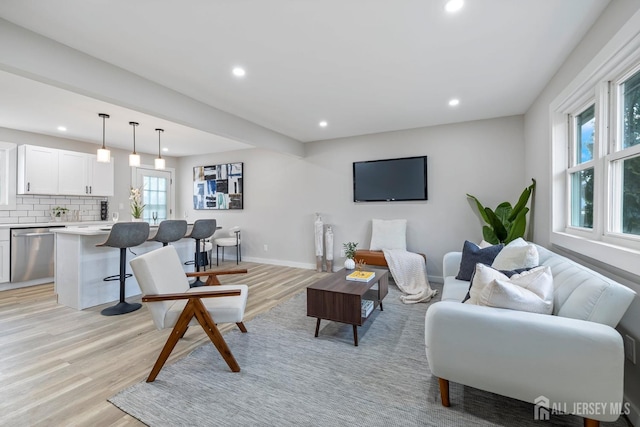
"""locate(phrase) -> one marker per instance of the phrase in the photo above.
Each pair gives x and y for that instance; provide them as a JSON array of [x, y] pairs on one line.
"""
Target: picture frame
[[218, 187]]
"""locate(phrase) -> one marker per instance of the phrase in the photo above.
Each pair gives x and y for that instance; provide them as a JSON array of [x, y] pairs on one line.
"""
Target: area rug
[[290, 378]]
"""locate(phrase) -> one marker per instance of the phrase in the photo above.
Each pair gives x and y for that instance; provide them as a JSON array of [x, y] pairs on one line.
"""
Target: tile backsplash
[[32, 209]]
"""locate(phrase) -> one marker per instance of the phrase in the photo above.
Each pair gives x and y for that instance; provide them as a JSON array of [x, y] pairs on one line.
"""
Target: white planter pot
[[349, 264]]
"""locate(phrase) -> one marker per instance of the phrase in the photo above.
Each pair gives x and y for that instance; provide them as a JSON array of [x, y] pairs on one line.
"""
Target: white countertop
[[56, 224]]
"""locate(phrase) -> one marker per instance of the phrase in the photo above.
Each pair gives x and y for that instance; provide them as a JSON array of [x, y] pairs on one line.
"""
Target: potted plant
[[135, 195], [350, 253], [58, 212], [506, 223]]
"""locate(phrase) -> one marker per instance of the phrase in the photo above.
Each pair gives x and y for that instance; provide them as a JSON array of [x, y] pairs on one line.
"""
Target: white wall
[[282, 193], [538, 161]]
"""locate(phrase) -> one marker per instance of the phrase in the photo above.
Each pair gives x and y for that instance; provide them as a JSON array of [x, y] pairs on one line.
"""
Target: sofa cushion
[[517, 254], [454, 289], [472, 255], [388, 234], [581, 293], [529, 291]]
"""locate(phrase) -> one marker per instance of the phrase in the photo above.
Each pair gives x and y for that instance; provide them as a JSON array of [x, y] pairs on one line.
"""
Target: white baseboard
[[284, 263], [16, 285]]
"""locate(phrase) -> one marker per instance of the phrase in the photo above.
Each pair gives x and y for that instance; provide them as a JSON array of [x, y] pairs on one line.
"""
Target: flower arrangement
[[135, 195]]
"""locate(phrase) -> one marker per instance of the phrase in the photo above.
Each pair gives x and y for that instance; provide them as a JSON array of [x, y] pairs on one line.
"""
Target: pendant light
[[134, 158], [104, 155], [159, 162]]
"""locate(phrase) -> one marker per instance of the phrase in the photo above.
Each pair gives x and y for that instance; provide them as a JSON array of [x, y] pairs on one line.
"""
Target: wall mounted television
[[390, 180]]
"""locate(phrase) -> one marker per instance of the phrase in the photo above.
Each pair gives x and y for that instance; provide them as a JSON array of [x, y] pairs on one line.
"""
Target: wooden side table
[[338, 299]]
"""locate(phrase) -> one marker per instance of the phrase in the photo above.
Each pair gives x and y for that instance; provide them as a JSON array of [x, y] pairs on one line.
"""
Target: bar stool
[[202, 229], [170, 230], [124, 235]]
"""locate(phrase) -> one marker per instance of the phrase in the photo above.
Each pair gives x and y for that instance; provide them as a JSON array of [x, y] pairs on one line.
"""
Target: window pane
[[631, 196], [631, 111], [585, 131], [582, 198]]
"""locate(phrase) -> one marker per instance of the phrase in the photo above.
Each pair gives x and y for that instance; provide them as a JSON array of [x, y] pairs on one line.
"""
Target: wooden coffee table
[[338, 299]]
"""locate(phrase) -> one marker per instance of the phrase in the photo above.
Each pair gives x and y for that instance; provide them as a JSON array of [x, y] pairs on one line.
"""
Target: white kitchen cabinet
[[5, 251], [101, 177], [37, 170], [44, 170], [73, 178]]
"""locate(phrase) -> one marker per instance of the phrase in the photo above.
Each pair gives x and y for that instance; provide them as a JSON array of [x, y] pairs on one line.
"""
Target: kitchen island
[[80, 266]]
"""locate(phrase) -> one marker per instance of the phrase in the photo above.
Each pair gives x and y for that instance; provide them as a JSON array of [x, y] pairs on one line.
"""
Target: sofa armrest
[[527, 355], [451, 264]]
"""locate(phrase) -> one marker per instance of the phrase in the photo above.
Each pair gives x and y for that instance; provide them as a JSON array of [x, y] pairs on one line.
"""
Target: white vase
[[349, 264], [136, 219]]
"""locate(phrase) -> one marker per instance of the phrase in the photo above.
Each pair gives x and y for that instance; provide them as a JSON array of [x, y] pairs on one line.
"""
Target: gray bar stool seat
[[202, 229], [170, 230], [124, 235]]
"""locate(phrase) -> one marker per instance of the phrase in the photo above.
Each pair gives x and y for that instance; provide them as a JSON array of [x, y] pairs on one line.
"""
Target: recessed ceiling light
[[239, 72], [453, 5], [454, 102], [62, 128], [165, 149], [323, 124]]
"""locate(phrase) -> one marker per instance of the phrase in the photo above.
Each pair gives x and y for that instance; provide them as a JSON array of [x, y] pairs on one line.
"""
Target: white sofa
[[574, 358]]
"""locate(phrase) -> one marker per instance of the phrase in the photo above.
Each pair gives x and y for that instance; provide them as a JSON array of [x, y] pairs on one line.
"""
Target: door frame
[[172, 185]]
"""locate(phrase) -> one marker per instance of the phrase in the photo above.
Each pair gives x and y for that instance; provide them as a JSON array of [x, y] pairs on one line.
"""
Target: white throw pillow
[[517, 254], [529, 291], [388, 234], [482, 277]]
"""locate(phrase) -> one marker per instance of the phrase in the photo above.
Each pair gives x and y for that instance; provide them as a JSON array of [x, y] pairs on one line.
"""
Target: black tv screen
[[390, 180]]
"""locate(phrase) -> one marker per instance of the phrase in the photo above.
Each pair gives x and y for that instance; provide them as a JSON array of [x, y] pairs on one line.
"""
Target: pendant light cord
[[159, 132], [134, 124]]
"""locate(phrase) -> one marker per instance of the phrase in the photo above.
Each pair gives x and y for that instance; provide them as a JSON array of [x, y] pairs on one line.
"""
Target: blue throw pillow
[[472, 254]]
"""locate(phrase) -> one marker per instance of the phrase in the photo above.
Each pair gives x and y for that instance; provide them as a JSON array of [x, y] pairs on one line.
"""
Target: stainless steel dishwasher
[[31, 253]]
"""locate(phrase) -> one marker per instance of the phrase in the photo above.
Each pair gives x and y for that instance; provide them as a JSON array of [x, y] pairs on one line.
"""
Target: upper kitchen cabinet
[[37, 170], [62, 172], [82, 175], [101, 177]]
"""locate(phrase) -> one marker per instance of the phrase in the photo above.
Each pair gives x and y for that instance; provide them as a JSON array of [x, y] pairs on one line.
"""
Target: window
[[582, 165], [595, 169], [626, 158]]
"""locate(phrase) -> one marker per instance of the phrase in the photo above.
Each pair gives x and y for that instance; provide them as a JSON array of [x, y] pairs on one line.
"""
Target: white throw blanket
[[409, 271]]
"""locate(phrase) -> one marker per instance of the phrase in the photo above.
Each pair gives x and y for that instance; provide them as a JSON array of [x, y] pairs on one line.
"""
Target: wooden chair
[[173, 304]]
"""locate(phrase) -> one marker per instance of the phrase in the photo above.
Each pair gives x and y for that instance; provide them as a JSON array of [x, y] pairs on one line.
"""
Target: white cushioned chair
[[233, 240], [173, 304], [573, 357]]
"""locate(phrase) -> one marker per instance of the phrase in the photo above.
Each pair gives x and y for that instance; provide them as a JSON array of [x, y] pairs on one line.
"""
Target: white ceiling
[[365, 66]]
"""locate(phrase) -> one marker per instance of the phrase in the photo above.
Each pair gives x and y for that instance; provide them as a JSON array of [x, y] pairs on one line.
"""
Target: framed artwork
[[218, 186]]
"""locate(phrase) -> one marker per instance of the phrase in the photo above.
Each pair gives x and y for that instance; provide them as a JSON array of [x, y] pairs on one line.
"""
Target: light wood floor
[[58, 366]]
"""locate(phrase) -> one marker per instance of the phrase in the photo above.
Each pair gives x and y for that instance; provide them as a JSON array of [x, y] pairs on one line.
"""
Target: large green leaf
[[489, 235], [522, 201], [480, 208], [502, 212], [518, 226], [498, 227]]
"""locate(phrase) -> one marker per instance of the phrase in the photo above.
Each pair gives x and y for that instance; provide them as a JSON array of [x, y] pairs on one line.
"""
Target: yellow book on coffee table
[[361, 276]]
